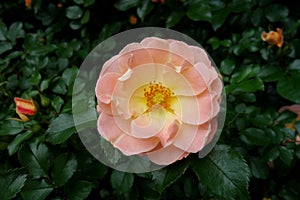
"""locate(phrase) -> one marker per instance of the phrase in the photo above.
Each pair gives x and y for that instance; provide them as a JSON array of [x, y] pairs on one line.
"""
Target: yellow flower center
[[157, 94]]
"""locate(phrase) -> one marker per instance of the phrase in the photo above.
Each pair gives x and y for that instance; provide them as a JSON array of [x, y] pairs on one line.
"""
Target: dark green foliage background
[[42, 47]]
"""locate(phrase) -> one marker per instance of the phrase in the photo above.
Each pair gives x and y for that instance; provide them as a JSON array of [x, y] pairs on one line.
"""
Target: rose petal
[[216, 88], [187, 109], [169, 133], [200, 55], [124, 90], [155, 43], [208, 73], [113, 65], [108, 128], [149, 124], [293, 108], [192, 138], [103, 107], [195, 79], [202, 136], [182, 50], [167, 155], [105, 86], [177, 82], [158, 48], [134, 55], [214, 128], [132, 146], [206, 106]]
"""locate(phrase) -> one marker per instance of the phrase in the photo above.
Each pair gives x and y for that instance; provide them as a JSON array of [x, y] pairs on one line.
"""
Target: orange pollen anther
[[157, 94]]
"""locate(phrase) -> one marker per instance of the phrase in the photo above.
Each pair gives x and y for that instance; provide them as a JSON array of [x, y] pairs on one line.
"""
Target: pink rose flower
[[159, 98]]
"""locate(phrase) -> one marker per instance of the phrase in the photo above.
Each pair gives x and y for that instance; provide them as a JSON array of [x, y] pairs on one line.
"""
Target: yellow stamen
[[157, 94]]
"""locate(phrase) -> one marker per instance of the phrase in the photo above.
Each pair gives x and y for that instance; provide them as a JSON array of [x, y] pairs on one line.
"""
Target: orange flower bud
[[132, 19], [28, 3], [273, 37], [24, 108], [59, 5]]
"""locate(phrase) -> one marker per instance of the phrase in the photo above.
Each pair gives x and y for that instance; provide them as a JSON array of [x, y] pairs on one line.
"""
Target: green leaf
[[74, 12], [255, 136], [69, 75], [88, 3], [5, 46], [62, 63], [64, 50], [240, 108], [262, 120], [112, 154], [286, 117], [219, 17], [276, 12], [224, 172], [246, 73], [11, 184], [59, 86], [35, 157], [45, 101], [257, 17], [214, 42], [270, 73], [79, 190], [95, 171], [14, 145], [252, 85], [124, 5], [75, 25], [121, 181], [60, 129], [295, 65], [227, 66], [199, 12], [15, 31], [145, 8], [259, 168], [43, 50], [240, 5], [174, 18], [36, 190], [44, 84], [289, 87], [57, 103], [286, 155], [78, 1], [163, 178], [64, 167], [35, 78], [11, 127], [86, 17], [3, 30], [270, 153]]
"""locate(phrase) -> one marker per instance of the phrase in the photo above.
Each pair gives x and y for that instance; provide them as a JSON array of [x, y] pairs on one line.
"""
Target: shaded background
[[42, 45]]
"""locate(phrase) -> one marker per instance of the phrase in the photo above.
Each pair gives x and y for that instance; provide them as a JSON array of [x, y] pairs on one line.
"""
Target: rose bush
[[159, 98]]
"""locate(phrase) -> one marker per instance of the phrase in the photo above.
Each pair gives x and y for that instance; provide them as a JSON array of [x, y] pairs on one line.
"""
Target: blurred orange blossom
[[273, 37]]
